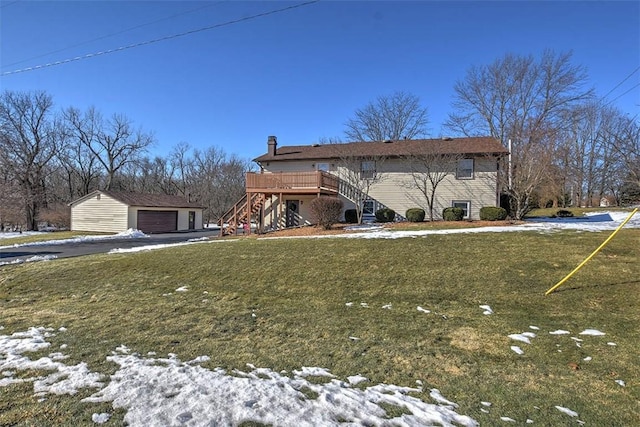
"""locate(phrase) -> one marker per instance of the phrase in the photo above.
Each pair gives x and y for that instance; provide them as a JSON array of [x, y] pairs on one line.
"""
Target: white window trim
[[458, 176], [323, 166], [367, 173], [467, 202]]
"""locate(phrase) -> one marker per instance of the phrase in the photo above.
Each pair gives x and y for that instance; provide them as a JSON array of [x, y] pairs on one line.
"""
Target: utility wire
[[111, 35], [624, 80], [186, 33], [622, 94]]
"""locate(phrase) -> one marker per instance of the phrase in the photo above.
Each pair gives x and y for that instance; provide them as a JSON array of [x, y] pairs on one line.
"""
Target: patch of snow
[[520, 337], [485, 403], [354, 338], [593, 332], [535, 328], [387, 306], [529, 421], [34, 258], [588, 359], [567, 411], [364, 304], [508, 420], [62, 380], [620, 382], [528, 334], [612, 344], [182, 289], [129, 234], [484, 410], [100, 418], [517, 349], [424, 310], [577, 339], [349, 304], [438, 397], [559, 332], [357, 379], [203, 397], [487, 309]]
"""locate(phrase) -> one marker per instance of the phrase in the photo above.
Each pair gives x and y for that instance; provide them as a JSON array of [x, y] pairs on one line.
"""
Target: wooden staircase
[[239, 213]]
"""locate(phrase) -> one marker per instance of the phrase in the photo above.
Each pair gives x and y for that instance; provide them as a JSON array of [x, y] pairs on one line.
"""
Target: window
[[465, 169], [367, 169], [322, 167], [368, 207], [465, 205]]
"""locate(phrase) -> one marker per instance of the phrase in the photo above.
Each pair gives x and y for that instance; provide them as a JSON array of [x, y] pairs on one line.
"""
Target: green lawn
[[298, 289]]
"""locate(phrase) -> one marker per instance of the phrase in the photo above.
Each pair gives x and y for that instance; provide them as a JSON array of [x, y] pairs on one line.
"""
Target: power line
[[9, 4], [624, 80], [622, 94], [111, 35], [210, 27]]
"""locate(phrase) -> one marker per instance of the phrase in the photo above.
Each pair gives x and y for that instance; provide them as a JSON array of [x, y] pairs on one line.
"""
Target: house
[[114, 212], [291, 176]]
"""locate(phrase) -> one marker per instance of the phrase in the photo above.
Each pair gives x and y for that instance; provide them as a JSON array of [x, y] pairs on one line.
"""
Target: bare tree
[[357, 174], [524, 100], [114, 142], [389, 117], [428, 170], [79, 161], [29, 140]]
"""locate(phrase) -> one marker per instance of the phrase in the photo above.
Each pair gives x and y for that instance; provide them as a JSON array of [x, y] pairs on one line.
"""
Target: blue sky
[[297, 74]]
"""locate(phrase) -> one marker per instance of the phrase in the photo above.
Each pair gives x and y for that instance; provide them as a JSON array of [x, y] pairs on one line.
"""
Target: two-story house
[[290, 177]]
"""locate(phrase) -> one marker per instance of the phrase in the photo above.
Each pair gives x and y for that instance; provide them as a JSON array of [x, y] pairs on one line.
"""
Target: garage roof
[[145, 199]]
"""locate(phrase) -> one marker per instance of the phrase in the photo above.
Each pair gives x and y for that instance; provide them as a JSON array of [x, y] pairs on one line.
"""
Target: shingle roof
[[151, 200], [467, 146]]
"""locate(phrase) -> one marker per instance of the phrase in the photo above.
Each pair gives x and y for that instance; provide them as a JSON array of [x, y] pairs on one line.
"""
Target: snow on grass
[[129, 234], [34, 258], [520, 337], [567, 411], [15, 234], [100, 418], [487, 309], [592, 332], [423, 310], [597, 221], [559, 332], [517, 349], [167, 391], [620, 383]]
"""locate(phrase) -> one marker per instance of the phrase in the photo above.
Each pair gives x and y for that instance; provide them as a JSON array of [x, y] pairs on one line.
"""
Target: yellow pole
[[557, 285]]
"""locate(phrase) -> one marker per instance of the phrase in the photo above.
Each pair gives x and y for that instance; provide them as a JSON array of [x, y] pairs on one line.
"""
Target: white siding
[[99, 213], [396, 192], [395, 188]]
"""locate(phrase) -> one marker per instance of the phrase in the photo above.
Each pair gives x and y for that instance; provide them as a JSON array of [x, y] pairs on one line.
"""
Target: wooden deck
[[316, 182]]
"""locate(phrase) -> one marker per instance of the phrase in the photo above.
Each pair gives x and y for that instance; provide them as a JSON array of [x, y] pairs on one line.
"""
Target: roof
[[468, 146], [145, 199]]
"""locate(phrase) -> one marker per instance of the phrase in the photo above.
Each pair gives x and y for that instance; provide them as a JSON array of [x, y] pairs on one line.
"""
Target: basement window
[[465, 205]]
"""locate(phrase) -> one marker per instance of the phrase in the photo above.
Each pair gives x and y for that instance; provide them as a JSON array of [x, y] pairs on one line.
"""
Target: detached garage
[[115, 212]]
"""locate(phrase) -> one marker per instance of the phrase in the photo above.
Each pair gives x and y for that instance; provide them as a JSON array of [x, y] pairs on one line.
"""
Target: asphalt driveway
[[67, 250]]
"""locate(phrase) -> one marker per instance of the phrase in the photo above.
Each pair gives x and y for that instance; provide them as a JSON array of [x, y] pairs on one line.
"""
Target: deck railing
[[274, 181]]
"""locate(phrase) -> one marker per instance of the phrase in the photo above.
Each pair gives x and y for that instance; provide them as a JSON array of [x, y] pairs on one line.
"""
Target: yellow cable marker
[[591, 256]]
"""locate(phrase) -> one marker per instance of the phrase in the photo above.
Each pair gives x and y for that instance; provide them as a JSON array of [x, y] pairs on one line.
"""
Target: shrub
[[351, 216], [492, 213], [563, 213], [385, 215], [325, 211], [415, 215], [453, 214]]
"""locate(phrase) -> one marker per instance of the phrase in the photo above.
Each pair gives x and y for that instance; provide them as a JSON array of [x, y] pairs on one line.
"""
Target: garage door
[[157, 221]]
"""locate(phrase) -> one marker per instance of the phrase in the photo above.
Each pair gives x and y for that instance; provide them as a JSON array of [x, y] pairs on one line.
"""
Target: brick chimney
[[272, 143]]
